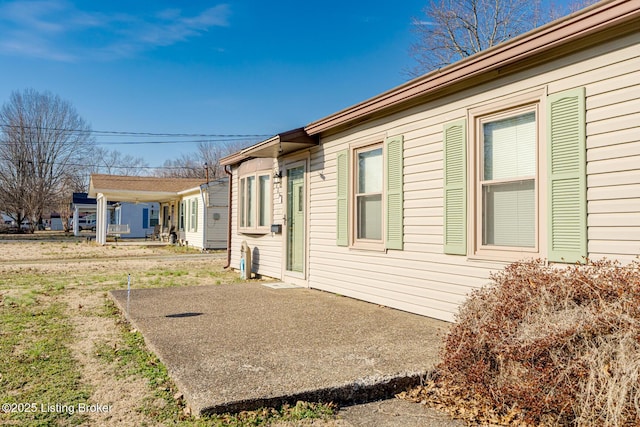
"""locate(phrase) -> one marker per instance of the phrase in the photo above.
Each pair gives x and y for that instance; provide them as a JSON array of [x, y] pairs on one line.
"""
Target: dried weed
[[545, 345]]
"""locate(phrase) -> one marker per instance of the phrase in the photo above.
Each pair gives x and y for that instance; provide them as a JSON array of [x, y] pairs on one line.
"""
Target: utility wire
[[193, 141], [138, 134]]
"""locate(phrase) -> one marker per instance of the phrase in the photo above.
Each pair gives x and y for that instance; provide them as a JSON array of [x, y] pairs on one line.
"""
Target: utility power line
[[138, 134]]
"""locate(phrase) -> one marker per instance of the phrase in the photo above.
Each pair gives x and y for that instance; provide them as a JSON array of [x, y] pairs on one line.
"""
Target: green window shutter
[[455, 188], [342, 197], [393, 187], [566, 165]]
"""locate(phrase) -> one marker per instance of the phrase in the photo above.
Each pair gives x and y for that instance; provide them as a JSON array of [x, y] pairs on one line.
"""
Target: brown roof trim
[[593, 20], [276, 146]]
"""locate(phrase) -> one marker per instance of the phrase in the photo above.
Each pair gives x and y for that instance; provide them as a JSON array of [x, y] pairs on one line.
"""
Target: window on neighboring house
[[154, 218], [254, 204], [181, 214], [193, 215], [508, 180]]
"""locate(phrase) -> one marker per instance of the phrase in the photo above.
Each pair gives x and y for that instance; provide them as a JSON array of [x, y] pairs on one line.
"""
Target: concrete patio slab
[[239, 347]]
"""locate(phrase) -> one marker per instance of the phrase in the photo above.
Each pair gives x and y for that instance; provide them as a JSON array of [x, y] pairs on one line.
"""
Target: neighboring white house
[[203, 215], [411, 198], [189, 211]]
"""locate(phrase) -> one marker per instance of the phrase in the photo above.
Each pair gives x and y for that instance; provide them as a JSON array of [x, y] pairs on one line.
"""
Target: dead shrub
[[559, 344]]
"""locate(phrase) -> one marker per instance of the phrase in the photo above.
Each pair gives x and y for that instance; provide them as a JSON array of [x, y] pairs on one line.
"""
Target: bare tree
[[192, 165], [454, 29], [43, 142], [116, 163]]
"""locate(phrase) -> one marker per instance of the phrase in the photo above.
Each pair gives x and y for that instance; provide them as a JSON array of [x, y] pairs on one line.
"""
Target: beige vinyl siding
[[613, 166], [421, 278], [266, 248]]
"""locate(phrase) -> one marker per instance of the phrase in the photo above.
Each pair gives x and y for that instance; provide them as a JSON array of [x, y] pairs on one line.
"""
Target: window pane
[[509, 214], [250, 200], [510, 147], [242, 205], [370, 217], [370, 171], [263, 202]]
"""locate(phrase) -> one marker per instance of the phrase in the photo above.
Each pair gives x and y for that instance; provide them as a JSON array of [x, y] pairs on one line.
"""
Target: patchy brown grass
[[545, 346], [63, 342]]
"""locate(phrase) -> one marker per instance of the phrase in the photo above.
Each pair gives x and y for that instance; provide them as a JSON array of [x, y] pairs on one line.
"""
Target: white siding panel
[[621, 136], [614, 165], [617, 192], [614, 206], [616, 83], [625, 219], [628, 106], [612, 179], [614, 248], [614, 151], [615, 233], [625, 92], [603, 68], [615, 123]]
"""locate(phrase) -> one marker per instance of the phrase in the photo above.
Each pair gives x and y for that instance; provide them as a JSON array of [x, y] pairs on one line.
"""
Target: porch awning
[[279, 145], [139, 188]]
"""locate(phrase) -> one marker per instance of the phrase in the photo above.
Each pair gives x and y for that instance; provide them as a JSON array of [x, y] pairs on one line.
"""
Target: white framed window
[[254, 203], [368, 194], [515, 178], [507, 181], [193, 214]]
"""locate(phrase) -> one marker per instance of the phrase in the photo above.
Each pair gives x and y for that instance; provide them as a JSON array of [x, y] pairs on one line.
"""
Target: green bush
[[550, 345]]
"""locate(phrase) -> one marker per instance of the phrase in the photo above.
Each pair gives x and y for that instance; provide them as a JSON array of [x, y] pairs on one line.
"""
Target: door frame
[[297, 278]]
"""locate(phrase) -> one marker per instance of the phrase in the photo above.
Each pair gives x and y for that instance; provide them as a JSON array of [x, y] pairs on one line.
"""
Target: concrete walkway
[[239, 347]]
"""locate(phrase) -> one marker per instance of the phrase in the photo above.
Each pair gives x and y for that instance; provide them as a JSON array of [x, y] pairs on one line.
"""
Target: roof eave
[[279, 145], [536, 43]]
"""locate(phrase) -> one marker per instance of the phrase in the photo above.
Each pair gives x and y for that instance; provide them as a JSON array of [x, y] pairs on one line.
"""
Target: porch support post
[[76, 226], [101, 219]]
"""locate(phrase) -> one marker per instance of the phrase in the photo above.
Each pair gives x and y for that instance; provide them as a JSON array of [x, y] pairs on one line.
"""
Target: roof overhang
[[143, 189], [595, 24], [282, 144], [134, 196]]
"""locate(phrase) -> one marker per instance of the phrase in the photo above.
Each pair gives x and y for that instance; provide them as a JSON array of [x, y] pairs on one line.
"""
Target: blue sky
[[198, 67]]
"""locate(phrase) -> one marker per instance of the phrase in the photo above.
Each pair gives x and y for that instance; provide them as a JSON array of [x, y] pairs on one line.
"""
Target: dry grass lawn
[[62, 342]]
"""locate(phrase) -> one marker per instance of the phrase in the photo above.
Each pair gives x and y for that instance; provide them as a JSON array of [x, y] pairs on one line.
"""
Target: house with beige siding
[[186, 211], [410, 199]]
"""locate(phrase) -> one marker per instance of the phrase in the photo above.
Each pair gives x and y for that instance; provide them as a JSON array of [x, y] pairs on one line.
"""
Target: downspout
[[230, 175]]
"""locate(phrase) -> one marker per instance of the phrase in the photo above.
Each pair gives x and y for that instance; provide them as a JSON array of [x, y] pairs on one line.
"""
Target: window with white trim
[[368, 195], [254, 203], [193, 215], [526, 194], [507, 180]]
